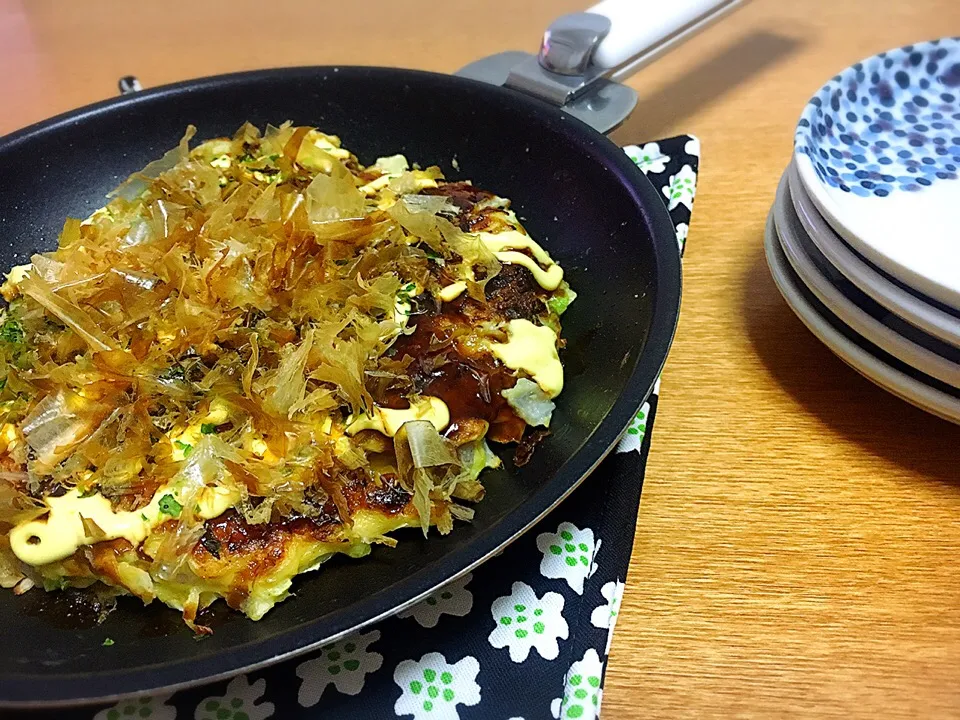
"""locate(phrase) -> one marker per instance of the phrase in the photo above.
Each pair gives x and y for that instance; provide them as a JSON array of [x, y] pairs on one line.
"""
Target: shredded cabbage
[[561, 299], [530, 402]]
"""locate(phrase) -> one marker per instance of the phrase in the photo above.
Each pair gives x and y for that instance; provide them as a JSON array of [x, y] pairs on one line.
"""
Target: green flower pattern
[[239, 702], [452, 599], [145, 708], [648, 157], [344, 664], [605, 616], [582, 693], [432, 688], [523, 621], [633, 437], [682, 230], [568, 554], [681, 188]]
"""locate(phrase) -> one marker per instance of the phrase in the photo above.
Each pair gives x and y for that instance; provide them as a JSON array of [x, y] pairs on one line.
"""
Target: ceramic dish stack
[[864, 236]]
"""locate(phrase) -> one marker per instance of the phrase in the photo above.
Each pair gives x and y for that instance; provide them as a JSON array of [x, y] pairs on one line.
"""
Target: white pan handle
[[644, 29]]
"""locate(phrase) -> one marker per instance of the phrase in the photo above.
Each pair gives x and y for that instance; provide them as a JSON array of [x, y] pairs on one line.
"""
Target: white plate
[[937, 321], [878, 150], [857, 353], [854, 308]]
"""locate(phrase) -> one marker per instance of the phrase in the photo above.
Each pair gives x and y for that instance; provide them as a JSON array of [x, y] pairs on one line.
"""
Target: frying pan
[[575, 191]]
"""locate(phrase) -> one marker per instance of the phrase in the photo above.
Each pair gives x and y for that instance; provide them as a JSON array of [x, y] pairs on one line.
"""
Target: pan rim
[[23, 690]]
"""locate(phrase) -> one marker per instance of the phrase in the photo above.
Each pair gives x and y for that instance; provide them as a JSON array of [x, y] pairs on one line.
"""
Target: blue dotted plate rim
[[888, 122]]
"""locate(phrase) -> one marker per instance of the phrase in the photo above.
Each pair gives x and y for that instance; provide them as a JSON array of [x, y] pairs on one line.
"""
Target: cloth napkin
[[523, 637]]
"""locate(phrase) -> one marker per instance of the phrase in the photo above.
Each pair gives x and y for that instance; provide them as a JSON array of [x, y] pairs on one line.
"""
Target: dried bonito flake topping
[[260, 353]]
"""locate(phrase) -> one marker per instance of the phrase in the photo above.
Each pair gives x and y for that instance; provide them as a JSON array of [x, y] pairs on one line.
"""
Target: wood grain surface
[[796, 543]]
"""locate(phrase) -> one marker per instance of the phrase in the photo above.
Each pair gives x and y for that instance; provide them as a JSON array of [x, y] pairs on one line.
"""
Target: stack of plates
[[864, 236]]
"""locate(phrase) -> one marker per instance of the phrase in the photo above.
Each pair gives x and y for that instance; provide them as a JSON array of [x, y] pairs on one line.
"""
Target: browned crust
[[360, 490]]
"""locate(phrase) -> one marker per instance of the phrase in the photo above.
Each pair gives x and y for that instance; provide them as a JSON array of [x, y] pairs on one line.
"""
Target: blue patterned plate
[[878, 150]]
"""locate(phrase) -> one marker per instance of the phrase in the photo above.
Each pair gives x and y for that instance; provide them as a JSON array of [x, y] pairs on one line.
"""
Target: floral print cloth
[[523, 637]]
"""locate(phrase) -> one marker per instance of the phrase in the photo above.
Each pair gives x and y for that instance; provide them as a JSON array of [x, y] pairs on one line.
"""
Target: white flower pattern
[[452, 599], [239, 702], [648, 158], [692, 146], [152, 708], [523, 621], [344, 664], [632, 437], [682, 230], [581, 690], [432, 688], [568, 554], [681, 188], [605, 616]]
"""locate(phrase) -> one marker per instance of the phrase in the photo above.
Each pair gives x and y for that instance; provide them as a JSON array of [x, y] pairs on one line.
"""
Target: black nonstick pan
[[575, 191]]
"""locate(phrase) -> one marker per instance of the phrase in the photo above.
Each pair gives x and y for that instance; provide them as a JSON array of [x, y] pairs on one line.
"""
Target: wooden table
[[799, 526]]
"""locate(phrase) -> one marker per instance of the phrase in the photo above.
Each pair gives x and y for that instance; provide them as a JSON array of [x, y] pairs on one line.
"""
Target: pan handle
[[583, 56], [640, 32]]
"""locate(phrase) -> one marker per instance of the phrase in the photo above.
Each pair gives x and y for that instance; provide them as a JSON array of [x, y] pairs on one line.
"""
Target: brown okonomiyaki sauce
[[470, 382]]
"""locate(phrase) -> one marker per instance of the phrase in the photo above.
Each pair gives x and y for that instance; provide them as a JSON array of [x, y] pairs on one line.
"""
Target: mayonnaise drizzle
[[388, 421], [452, 291], [533, 349], [61, 532], [548, 279], [545, 271]]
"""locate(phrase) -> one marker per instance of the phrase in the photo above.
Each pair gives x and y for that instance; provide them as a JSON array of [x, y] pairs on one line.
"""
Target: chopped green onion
[[11, 332], [406, 292], [170, 506], [187, 448], [208, 428]]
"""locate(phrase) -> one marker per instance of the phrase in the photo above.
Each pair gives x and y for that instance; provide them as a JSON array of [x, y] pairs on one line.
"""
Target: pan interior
[[575, 192]]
